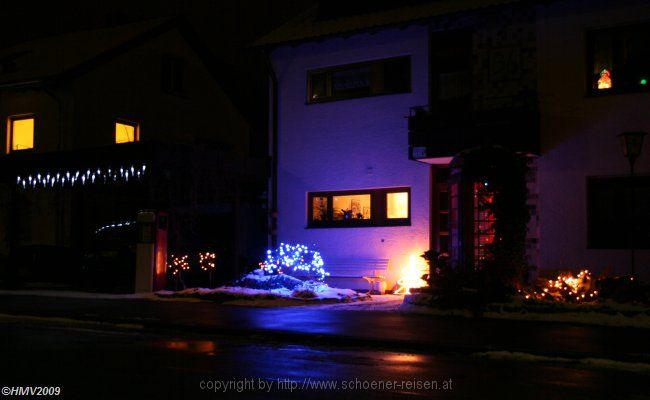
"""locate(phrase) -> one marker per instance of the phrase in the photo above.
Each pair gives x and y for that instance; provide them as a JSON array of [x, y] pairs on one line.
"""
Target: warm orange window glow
[[605, 80], [125, 133], [397, 205], [22, 134], [356, 206]]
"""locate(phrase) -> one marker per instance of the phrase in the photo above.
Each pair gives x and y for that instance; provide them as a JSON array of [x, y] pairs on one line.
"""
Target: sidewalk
[[376, 329]]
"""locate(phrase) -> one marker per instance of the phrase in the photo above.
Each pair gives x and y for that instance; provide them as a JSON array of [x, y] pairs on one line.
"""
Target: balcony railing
[[437, 134]]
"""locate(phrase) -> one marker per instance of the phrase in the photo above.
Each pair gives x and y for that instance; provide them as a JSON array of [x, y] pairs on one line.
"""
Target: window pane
[[351, 81], [319, 212], [22, 134], [397, 75], [318, 86], [397, 205], [356, 206], [602, 68], [124, 133]]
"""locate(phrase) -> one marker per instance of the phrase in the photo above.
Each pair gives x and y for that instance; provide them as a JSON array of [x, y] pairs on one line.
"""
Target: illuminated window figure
[[21, 134], [605, 80], [351, 207], [126, 132]]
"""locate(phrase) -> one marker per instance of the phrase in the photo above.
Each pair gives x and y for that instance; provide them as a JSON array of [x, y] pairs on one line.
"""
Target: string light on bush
[[207, 260], [566, 287], [295, 260], [70, 178], [178, 264]]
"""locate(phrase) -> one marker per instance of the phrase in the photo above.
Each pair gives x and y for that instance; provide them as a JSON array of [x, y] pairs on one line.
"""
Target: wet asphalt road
[[103, 361], [391, 330]]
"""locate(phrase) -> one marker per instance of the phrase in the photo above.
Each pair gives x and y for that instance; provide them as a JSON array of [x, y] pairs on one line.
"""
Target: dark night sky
[[227, 27]]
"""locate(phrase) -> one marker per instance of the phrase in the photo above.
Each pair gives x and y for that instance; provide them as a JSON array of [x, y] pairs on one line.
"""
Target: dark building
[[103, 124]]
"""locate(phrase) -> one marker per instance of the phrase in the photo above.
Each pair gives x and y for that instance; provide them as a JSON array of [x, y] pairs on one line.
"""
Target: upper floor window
[[387, 76], [619, 59], [357, 208], [126, 132], [173, 74], [21, 133]]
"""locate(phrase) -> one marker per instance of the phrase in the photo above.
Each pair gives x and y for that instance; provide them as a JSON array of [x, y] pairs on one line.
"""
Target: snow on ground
[[384, 302], [590, 361], [277, 297], [604, 314], [278, 290]]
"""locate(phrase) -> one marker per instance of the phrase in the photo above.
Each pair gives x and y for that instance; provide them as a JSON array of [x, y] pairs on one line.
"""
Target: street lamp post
[[631, 144]]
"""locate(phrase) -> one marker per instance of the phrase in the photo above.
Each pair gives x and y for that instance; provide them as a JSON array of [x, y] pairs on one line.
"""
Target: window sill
[[605, 93], [343, 98], [359, 224]]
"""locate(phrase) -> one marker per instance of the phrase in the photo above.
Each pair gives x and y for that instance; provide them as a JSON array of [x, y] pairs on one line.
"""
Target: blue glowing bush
[[294, 260]]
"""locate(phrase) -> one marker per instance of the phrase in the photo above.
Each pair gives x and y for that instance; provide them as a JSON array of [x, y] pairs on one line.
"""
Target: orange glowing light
[[605, 80], [22, 134], [126, 132], [412, 275]]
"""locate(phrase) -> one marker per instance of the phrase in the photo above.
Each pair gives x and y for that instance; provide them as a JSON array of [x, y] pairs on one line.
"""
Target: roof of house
[[310, 26], [58, 56]]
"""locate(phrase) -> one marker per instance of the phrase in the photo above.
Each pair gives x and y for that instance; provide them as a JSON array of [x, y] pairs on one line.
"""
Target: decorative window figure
[[605, 80], [126, 132], [355, 206], [21, 134]]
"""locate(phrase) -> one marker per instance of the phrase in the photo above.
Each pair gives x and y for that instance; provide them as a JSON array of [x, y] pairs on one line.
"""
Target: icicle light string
[[81, 177]]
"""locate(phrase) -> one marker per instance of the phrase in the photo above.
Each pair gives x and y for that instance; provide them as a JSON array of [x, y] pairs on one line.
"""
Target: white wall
[[350, 144], [579, 133]]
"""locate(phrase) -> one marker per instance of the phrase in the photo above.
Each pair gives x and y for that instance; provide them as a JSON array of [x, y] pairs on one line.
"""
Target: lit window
[[21, 135], [370, 78], [397, 205], [126, 132], [619, 58], [319, 205], [355, 206], [359, 208]]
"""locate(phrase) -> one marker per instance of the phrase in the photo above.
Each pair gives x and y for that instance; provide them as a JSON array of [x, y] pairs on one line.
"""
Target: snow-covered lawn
[[590, 361], [260, 290], [603, 313], [278, 297]]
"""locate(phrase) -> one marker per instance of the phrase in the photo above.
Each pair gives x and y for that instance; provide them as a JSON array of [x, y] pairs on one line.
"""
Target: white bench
[[352, 270]]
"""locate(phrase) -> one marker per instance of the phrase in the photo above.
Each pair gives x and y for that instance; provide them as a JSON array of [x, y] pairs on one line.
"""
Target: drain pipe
[[273, 141]]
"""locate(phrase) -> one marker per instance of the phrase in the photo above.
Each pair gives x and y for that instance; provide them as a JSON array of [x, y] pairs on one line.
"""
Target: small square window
[[126, 132], [619, 59], [21, 133]]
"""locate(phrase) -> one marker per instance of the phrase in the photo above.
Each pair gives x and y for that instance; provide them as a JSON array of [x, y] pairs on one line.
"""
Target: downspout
[[273, 206]]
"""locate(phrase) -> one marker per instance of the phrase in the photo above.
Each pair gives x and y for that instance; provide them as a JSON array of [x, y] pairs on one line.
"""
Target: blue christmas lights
[[113, 225], [295, 260]]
